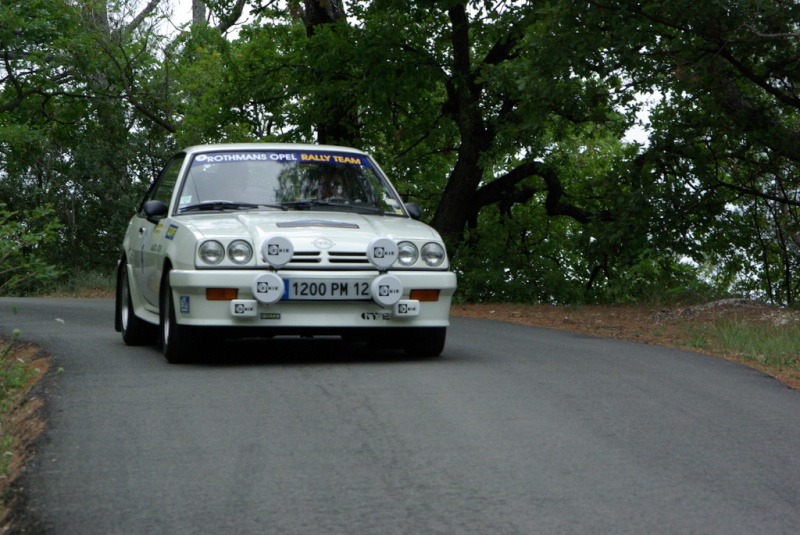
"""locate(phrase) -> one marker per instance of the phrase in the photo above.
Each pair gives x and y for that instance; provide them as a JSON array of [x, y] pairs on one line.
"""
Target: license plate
[[327, 290]]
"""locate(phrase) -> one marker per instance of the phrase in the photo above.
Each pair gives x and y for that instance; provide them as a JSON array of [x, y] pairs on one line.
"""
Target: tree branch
[[143, 14], [225, 22], [506, 188]]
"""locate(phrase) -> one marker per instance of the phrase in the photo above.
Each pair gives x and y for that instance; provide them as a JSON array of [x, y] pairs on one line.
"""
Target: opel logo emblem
[[322, 243]]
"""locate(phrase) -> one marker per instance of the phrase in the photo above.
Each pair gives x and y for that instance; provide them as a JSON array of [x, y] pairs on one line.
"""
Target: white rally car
[[272, 239]]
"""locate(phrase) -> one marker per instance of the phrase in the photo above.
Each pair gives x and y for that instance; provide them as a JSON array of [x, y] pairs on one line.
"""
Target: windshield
[[296, 180]]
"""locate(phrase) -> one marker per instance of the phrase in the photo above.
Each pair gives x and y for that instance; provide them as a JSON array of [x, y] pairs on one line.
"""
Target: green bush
[[80, 283], [22, 267]]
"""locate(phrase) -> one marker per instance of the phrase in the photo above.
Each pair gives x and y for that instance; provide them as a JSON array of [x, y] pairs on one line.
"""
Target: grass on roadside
[[770, 345], [21, 367]]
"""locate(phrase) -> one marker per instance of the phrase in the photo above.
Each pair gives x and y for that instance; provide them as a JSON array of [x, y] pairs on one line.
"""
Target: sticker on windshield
[[327, 157], [223, 157], [340, 158]]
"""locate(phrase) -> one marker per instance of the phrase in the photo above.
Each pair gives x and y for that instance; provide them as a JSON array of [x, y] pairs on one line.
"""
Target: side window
[[165, 183]]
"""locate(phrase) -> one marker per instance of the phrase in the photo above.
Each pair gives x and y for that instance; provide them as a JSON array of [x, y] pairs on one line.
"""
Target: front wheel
[[176, 341], [425, 342], [135, 331]]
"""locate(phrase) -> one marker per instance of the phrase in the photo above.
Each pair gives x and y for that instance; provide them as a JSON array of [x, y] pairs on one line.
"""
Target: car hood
[[308, 229]]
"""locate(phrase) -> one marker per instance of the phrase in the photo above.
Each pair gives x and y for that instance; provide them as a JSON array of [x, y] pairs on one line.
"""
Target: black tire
[[135, 331], [425, 342], [176, 340]]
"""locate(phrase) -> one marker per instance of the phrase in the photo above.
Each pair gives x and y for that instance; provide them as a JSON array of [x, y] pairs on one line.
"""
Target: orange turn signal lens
[[221, 294], [425, 295]]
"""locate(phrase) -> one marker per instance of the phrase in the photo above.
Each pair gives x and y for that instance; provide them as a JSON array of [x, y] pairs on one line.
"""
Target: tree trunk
[[318, 12], [198, 12], [455, 205], [341, 124], [463, 107]]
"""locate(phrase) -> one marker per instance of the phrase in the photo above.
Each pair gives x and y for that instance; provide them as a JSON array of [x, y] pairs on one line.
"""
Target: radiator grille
[[330, 259]]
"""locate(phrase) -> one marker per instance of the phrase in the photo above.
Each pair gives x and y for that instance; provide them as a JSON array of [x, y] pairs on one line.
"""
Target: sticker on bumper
[[406, 309], [243, 308]]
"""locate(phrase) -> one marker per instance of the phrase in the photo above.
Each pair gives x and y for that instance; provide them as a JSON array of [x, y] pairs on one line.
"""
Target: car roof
[[270, 146]]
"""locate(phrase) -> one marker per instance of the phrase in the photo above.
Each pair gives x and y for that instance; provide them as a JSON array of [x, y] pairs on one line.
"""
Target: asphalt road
[[513, 430]]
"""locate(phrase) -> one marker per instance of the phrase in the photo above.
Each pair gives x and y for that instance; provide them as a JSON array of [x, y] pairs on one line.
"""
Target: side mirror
[[414, 210], [154, 210]]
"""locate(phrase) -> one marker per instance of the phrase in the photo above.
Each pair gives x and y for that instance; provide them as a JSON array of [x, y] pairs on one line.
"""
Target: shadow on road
[[297, 351]]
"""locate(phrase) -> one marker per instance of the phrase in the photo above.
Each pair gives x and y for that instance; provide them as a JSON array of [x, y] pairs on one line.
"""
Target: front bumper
[[192, 306]]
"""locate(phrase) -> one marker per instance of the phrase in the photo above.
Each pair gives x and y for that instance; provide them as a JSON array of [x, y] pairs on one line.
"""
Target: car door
[[138, 229], [151, 234]]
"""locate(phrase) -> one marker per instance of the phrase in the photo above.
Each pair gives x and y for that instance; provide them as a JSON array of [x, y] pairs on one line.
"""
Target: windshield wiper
[[228, 205], [308, 204]]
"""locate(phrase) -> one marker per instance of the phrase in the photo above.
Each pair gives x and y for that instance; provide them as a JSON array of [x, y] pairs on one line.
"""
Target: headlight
[[212, 252], [433, 254], [407, 253], [240, 252]]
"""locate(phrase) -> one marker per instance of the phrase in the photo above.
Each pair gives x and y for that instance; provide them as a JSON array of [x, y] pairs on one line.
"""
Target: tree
[[726, 125], [69, 102]]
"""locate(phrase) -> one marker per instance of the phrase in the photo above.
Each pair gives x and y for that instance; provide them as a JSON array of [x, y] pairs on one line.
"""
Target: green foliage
[[21, 249], [526, 258], [520, 261], [502, 119]]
